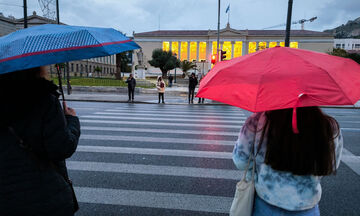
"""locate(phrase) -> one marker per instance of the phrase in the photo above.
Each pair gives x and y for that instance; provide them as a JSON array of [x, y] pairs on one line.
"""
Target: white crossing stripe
[[150, 151], [163, 124], [165, 131], [169, 115], [156, 139], [84, 108], [352, 122], [190, 202], [350, 129], [161, 119], [154, 170], [195, 113], [351, 160]]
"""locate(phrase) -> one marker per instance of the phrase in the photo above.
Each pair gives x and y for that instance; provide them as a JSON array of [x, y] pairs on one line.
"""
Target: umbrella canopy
[[50, 44], [282, 77]]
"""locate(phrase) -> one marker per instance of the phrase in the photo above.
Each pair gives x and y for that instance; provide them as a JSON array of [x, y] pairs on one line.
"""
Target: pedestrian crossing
[[156, 160]]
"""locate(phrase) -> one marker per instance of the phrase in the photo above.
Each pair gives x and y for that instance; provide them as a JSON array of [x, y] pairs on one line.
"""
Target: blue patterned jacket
[[279, 188]]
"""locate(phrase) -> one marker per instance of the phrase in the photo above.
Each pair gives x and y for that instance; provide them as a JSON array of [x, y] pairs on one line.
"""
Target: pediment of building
[[229, 32]]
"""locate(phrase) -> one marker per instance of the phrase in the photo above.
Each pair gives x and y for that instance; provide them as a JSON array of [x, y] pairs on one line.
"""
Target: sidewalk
[[173, 95], [139, 98]]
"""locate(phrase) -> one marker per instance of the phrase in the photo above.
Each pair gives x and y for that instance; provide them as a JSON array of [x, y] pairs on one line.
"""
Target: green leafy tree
[[164, 60], [342, 53], [98, 70], [338, 52], [186, 66]]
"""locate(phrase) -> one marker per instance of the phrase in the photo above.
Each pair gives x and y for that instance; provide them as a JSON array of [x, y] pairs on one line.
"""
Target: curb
[[205, 104], [144, 102]]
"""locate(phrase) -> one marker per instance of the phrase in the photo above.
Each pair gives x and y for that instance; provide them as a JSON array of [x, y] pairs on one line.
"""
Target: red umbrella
[[282, 77]]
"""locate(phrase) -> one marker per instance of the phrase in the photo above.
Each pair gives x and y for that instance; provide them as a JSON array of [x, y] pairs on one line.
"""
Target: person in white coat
[[161, 88]]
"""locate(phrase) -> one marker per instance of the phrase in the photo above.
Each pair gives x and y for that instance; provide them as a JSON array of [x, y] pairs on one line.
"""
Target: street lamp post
[[25, 15], [288, 24], [175, 67], [218, 33]]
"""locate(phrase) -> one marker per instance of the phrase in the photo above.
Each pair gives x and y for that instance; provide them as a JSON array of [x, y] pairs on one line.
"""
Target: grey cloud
[[143, 15]]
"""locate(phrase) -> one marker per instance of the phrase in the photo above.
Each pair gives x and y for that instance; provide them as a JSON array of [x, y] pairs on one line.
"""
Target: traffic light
[[223, 55], [213, 59]]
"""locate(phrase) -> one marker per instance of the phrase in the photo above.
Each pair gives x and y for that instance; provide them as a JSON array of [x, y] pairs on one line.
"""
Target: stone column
[[179, 50], [197, 50], [170, 46], [232, 49], [245, 47], [188, 51]]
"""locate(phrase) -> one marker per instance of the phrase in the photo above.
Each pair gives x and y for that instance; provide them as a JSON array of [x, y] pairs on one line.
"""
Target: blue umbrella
[[51, 44]]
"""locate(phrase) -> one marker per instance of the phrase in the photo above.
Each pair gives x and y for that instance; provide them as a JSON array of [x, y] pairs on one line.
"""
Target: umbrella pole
[[60, 83]]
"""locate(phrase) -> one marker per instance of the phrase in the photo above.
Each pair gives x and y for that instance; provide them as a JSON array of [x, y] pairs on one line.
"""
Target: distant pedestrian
[[131, 87], [170, 80], [36, 136], [289, 166], [200, 76], [192, 85], [160, 85]]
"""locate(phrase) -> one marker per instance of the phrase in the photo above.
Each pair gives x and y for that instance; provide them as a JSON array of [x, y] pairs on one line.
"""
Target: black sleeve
[[61, 134], [134, 82]]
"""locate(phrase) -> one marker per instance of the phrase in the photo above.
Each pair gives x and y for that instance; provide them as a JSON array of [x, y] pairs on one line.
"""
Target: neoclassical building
[[199, 45]]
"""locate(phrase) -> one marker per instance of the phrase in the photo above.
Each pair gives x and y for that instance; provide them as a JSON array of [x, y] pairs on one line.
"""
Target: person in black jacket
[[36, 135], [192, 85], [131, 87]]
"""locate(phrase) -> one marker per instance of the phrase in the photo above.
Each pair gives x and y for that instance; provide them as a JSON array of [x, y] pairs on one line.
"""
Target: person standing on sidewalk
[[131, 87], [170, 80], [161, 88], [200, 76], [192, 85]]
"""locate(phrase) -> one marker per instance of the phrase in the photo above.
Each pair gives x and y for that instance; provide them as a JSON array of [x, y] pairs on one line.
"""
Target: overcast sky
[[148, 15]]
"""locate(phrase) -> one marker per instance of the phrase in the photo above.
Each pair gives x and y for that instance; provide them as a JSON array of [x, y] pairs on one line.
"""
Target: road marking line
[[156, 139], [150, 151], [149, 199], [207, 126], [169, 115], [154, 170], [351, 160], [196, 113], [84, 108], [166, 131], [350, 129], [161, 119]]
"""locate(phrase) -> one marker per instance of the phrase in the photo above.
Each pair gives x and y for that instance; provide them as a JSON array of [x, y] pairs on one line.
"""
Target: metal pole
[[57, 12], [68, 78], [175, 67], [288, 24], [25, 15], [218, 33]]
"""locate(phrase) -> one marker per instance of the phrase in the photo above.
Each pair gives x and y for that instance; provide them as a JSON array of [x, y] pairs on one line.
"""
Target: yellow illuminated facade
[[252, 47], [294, 44], [198, 51], [227, 47], [193, 48], [184, 51], [202, 51], [237, 49], [214, 47], [175, 48], [262, 45], [166, 46], [272, 44]]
